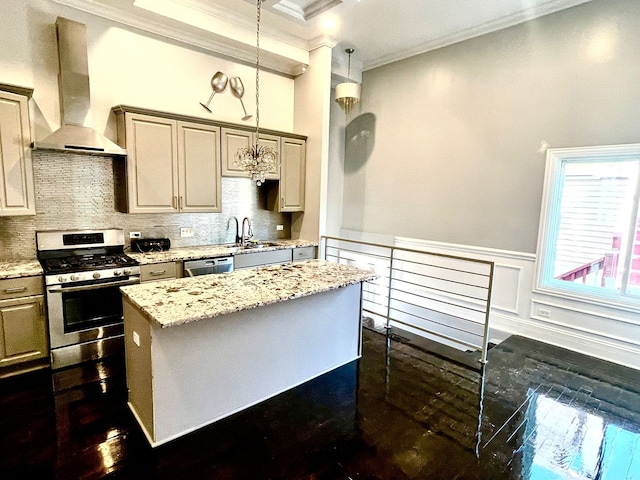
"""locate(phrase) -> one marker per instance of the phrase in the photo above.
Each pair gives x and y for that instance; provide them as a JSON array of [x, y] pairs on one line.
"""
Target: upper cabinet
[[17, 195], [199, 168], [233, 139], [175, 162], [288, 194], [172, 166]]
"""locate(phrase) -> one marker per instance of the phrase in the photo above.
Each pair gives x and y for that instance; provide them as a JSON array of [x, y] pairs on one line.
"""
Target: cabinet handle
[[180, 202], [158, 272], [41, 306], [15, 289], [174, 201]]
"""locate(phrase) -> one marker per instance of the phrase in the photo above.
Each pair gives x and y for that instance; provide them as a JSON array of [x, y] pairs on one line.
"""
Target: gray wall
[[446, 146], [77, 191]]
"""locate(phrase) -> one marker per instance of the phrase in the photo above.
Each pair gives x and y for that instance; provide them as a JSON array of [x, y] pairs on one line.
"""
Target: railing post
[[391, 257], [487, 315]]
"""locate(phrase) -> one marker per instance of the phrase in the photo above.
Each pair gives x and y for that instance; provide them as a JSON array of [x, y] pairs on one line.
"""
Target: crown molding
[[547, 8], [221, 45]]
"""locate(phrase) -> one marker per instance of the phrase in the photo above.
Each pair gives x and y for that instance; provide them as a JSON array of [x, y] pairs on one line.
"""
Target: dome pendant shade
[[347, 95]]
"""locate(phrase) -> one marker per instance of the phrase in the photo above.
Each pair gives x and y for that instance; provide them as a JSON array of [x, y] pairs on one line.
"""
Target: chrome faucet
[[237, 229], [246, 236]]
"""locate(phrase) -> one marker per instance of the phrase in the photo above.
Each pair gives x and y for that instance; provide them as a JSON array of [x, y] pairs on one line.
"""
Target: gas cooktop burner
[[83, 263]]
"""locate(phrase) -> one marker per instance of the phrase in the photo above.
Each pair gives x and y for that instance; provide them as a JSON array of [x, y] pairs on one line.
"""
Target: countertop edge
[[213, 312], [211, 251], [20, 269]]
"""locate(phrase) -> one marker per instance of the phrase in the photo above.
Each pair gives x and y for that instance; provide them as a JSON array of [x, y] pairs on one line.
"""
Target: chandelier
[[348, 93], [258, 160]]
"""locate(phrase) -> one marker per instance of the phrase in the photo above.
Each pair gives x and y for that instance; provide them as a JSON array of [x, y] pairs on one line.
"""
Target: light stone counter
[[20, 268], [308, 322], [184, 300], [211, 251]]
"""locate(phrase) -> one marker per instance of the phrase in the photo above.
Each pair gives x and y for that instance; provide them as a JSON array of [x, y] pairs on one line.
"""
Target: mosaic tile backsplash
[[76, 191]]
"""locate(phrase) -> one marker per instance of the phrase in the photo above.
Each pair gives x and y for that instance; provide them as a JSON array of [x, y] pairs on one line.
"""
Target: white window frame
[[544, 283]]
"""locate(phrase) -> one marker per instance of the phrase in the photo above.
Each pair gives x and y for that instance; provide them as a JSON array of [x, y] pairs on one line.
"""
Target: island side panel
[[206, 370], [137, 341]]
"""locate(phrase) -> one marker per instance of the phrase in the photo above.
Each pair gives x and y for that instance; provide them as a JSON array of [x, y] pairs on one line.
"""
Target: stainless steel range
[[83, 272]]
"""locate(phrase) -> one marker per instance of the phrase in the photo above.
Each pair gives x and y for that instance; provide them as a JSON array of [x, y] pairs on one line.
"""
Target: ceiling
[[378, 30]]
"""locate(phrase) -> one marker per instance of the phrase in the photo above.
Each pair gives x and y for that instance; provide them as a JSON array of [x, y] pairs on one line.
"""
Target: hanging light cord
[[258, 10], [349, 52]]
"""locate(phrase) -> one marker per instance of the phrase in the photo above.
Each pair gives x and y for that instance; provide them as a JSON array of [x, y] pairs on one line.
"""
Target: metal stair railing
[[442, 297]]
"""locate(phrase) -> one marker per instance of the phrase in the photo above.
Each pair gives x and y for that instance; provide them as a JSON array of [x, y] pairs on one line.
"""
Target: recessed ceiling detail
[[304, 9]]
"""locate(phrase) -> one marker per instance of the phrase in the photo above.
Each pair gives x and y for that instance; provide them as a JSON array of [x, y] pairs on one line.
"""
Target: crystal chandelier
[[256, 159], [348, 93]]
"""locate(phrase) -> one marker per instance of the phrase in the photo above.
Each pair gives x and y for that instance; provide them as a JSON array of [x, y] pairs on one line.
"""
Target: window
[[589, 242]]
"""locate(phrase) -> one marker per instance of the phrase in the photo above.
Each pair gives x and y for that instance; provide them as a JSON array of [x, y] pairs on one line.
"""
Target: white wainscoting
[[598, 331]]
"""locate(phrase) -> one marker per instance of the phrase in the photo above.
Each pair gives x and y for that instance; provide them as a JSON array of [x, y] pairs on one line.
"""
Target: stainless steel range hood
[[75, 100]]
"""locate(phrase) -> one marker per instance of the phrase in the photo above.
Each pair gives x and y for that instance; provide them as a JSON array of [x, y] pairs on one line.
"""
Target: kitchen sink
[[254, 245], [258, 245]]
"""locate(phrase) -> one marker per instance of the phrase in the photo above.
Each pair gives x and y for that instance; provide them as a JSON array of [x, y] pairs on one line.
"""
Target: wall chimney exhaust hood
[[75, 100]]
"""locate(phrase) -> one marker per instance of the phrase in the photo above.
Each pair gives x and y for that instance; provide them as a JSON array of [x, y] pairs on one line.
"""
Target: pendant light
[[257, 159], [348, 93]]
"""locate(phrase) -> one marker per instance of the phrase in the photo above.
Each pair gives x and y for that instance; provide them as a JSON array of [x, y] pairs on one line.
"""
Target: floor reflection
[[577, 417], [535, 412]]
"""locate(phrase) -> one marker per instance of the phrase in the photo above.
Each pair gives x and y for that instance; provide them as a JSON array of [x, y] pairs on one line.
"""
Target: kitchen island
[[200, 349]]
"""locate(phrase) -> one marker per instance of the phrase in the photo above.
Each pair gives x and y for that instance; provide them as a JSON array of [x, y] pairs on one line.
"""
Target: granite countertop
[[176, 302], [19, 268], [212, 251]]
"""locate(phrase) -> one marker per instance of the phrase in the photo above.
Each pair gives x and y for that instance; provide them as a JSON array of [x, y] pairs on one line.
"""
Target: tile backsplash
[[76, 191]]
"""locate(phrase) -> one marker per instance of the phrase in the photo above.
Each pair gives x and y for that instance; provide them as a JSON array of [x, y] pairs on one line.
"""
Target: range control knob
[[62, 279], [74, 278], [127, 271], [96, 275], [117, 273]]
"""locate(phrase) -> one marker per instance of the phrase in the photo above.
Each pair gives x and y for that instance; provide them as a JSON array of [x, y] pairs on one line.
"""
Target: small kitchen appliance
[[83, 272], [143, 245]]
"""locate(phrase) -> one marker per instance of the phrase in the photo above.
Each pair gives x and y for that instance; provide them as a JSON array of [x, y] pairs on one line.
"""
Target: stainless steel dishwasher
[[207, 266]]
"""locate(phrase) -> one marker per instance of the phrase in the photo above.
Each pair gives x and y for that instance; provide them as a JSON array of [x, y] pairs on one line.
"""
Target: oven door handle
[[121, 283]]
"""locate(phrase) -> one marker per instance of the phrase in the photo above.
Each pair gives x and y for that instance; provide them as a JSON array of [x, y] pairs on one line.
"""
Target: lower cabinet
[[256, 259], [304, 253], [23, 328], [159, 271]]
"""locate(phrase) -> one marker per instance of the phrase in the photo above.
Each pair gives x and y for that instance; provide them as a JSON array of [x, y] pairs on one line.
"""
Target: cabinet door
[[158, 271], [256, 259], [199, 168], [272, 141], [292, 175], [152, 176], [231, 141], [23, 334], [17, 195]]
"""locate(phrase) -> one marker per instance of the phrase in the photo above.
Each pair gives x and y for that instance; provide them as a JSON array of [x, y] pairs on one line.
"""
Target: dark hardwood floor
[[535, 412]]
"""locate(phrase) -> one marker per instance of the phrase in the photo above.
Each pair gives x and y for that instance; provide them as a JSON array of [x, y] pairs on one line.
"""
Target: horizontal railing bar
[[341, 249], [443, 255], [384, 305], [374, 313], [443, 324], [437, 290], [441, 302], [436, 266], [441, 335], [468, 292], [436, 278], [425, 297]]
